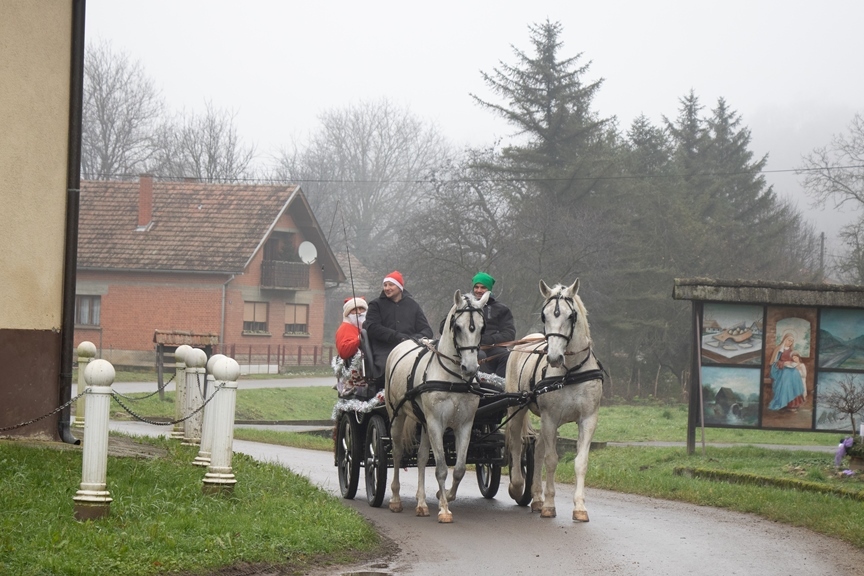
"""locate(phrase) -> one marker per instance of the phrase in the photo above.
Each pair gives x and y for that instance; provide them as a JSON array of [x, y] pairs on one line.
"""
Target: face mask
[[356, 319]]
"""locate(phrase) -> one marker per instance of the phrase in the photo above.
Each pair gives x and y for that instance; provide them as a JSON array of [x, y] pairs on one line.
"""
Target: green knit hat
[[484, 279]]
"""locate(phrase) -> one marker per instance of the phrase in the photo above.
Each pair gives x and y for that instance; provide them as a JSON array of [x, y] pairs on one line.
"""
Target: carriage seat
[[373, 378]]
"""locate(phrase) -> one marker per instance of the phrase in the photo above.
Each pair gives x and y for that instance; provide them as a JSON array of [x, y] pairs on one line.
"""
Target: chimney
[[145, 201]]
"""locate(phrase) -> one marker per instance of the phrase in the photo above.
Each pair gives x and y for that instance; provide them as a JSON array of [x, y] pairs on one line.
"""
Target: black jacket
[[388, 323], [499, 324]]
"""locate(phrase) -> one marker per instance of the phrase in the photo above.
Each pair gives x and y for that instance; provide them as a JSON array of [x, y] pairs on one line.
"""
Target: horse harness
[[574, 374], [470, 387]]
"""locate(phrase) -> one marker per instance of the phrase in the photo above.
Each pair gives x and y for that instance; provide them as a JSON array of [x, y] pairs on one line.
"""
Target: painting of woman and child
[[787, 392]]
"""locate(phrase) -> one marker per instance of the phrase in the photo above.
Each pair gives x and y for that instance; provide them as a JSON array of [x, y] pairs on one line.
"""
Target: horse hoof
[[536, 506], [548, 513], [580, 516], [422, 511], [445, 518], [395, 506], [515, 492]]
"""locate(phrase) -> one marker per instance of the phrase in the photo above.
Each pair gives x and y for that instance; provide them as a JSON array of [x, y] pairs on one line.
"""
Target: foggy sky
[[790, 68]]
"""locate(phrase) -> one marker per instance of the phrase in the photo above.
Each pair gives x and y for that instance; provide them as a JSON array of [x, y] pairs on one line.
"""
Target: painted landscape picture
[[829, 384], [841, 339], [732, 334], [730, 396]]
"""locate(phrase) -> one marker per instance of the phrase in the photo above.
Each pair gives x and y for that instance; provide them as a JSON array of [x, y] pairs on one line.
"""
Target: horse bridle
[[557, 312], [471, 310]]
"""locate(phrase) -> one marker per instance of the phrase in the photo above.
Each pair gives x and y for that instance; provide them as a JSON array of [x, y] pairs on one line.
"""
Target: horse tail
[[409, 425], [527, 429]]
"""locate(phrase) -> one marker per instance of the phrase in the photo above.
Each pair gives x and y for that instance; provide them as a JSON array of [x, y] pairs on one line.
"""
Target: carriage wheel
[[348, 454], [488, 478], [527, 465], [376, 461]]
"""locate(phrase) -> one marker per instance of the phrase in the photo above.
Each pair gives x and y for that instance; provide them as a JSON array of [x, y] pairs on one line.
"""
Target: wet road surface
[[627, 535]]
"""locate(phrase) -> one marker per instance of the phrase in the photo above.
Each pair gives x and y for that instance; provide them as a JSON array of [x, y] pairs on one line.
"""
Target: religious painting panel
[[790, 354]]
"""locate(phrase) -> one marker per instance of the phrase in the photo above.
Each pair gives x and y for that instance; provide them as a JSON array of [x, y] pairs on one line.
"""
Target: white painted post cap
[[99, 373], [196, 358], [86, 349], [180, 353], [212, 361], [226, 369]]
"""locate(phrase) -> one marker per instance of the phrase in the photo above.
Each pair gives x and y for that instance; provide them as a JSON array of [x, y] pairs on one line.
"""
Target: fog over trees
[[128, 130], [570, 195]]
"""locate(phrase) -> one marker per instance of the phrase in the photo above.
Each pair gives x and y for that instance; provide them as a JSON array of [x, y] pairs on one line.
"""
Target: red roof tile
[[195, 226]]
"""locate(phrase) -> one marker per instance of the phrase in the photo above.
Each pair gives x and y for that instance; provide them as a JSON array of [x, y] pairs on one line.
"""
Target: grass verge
[[293, 439], [800, 488], [259, 404], [160, 521]]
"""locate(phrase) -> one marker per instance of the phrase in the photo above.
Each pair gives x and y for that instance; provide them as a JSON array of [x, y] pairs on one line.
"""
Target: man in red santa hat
[[393, 317]]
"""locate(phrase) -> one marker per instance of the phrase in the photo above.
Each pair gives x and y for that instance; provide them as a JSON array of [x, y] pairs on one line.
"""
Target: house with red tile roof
[[229, 265]]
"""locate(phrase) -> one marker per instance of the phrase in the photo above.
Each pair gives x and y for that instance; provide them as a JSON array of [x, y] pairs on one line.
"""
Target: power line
[[511, 180]]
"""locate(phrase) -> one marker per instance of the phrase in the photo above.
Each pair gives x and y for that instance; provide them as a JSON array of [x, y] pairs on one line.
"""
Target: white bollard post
[[196, 359], [180, 389], [220, 478], [93, 500], [86, 352], [203, 458]]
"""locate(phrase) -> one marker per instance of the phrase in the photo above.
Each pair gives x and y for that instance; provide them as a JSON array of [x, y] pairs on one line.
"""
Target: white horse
[[567, 381], [432, 386]]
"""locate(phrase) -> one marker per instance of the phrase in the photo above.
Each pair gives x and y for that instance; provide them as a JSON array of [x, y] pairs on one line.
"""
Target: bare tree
[[204, 146], [371, 159], [121, 110], [835, 173], [847, 400]]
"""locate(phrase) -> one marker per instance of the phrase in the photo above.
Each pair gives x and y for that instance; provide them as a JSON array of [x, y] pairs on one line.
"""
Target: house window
[[87, 310], [296, 319], [280, 247], [255, 317]]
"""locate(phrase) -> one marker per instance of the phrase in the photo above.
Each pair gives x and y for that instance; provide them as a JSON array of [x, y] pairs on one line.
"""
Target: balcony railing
[[284, 275]]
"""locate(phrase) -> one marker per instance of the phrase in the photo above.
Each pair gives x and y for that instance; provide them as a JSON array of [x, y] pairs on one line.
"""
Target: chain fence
[[117, 398], [140, 418], [158, 390], [55, 411]]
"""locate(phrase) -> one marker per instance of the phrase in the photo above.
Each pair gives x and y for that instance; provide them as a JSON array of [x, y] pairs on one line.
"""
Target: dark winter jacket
[[388, 323], [499, 324]]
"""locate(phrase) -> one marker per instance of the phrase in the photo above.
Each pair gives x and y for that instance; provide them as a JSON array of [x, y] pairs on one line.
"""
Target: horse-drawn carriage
[[433, 402], [363, 439]]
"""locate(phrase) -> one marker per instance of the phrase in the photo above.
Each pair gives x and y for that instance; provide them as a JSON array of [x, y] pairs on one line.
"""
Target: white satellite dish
[[307, 252]]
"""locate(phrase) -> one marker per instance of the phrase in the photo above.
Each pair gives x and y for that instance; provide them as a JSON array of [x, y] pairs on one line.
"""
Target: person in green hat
[[499, 327]]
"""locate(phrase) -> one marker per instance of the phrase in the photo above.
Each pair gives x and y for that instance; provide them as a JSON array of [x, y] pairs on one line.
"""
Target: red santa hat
[[352, 303], [395, 277]]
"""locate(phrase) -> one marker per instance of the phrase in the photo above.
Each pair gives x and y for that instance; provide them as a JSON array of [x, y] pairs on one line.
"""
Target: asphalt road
[[627, 535]]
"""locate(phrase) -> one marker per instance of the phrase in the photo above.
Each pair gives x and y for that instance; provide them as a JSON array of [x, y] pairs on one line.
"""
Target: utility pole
[[822, 257]]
